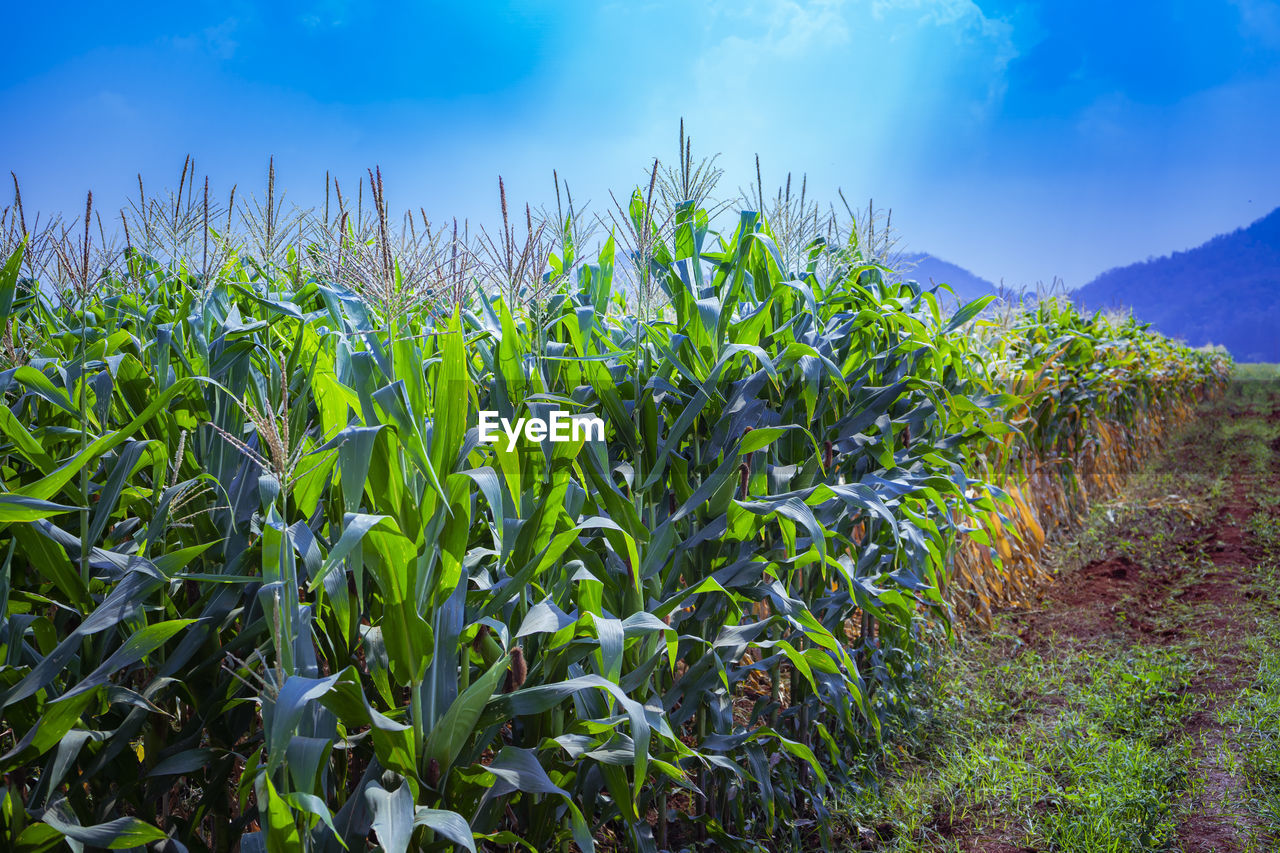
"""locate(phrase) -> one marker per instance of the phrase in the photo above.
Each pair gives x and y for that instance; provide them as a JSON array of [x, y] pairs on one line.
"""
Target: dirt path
[[1215, 821], [1122, 712], [1198, 587], [1117, 594]]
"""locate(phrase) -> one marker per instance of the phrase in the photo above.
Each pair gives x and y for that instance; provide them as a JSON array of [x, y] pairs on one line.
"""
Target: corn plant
[[263, 584]]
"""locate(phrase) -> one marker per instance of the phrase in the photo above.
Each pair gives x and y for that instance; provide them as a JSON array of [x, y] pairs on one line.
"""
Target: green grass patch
[[1259, 370], [1078, 749]]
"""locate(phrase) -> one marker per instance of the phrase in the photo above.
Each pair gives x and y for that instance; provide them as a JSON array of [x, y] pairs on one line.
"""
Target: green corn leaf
[[452, 731]]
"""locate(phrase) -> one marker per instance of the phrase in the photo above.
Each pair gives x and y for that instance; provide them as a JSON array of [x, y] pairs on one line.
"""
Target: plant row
[[264, 585]]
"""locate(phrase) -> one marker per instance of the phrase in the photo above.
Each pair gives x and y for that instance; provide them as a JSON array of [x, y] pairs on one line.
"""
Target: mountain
[[927, 269], [1226, 291]]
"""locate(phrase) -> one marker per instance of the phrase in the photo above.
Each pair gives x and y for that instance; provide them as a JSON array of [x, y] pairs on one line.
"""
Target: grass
[[1071, 749], [1256, 371], [1254, 715], [1255, 718]]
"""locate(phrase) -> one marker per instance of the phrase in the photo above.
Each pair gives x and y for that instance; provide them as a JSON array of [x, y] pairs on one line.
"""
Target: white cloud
[[898, 61], [115, 105], [217, 40], [327, 13], [1260, 20], [795, 27]]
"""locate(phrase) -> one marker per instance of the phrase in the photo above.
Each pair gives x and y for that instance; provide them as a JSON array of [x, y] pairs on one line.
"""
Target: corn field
[[265, 588]]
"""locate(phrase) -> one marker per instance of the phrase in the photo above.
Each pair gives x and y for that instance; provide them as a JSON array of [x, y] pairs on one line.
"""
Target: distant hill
[[1226, 292], [930, 270]]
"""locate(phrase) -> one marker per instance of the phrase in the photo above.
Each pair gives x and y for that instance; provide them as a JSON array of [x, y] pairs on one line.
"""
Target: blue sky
[[1020, 140]]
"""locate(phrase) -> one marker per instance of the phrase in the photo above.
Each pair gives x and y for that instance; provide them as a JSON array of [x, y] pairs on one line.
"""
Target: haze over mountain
[[928, 269], [1226, 291]]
